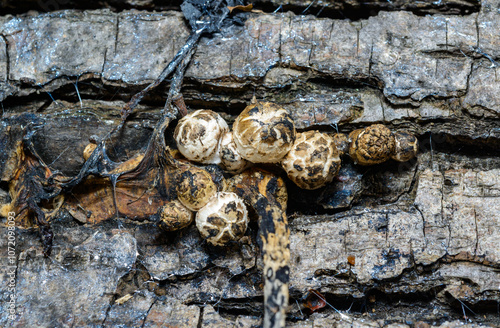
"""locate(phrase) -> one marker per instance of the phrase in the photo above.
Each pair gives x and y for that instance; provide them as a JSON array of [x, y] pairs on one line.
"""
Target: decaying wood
[[265, 192], [411, 244]]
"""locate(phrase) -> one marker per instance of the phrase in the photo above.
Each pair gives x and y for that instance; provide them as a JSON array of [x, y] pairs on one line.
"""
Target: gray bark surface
[[413, 244]]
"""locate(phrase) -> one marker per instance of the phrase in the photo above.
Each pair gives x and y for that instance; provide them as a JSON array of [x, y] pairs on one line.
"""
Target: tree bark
[[412, 244]]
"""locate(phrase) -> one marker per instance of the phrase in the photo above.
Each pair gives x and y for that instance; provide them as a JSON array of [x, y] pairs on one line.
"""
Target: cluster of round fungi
[[263, 133], [220, 216]]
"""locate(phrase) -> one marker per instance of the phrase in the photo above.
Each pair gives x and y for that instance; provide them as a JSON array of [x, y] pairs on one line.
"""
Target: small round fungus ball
[[197, 136], [195, 188], [372, 145], [89, 149], [231, 160], [217, 174], [406, 146], [223, 219], [313, 160], [174, 216], [264, 132]]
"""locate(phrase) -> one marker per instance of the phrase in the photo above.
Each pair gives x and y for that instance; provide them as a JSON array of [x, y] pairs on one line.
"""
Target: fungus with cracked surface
[[223, 219], [371, 145], [264, 132], [313, 160], [174, 216], [198, 134], [231, 160], [195, 188]]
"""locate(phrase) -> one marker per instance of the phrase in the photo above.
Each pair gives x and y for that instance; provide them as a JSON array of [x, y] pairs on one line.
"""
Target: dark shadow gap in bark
[[412, 305], [352, 10], [460, 145], [358, 10], [251, 306], [39, 99]]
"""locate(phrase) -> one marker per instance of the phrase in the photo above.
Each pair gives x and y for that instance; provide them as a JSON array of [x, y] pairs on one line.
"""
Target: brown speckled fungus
[[195, 188], [198, 134], [406, 146], [174, 216], [231, 160], [372, 145], [313, 160], [223, 219], [264, 132], [266, 193]]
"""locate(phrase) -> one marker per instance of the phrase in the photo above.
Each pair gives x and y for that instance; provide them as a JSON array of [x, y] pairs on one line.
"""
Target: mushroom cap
[[406, 146], [195, 188], [313, 160], [231, 160], [264, 132], [371, 145], [223, 219], [174, 216], [197, 136]]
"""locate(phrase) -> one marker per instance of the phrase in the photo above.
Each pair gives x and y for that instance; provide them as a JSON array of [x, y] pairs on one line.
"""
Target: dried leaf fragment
[[314, 300], [248, 7]]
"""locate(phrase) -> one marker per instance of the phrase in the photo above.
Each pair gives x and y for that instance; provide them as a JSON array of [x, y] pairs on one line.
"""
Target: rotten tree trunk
[[397, 243]]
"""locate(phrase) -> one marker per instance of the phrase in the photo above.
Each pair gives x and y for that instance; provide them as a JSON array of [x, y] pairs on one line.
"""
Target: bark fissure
[[476, 232], [117, 35], [148, 311], [7, 59], [200, 320]]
